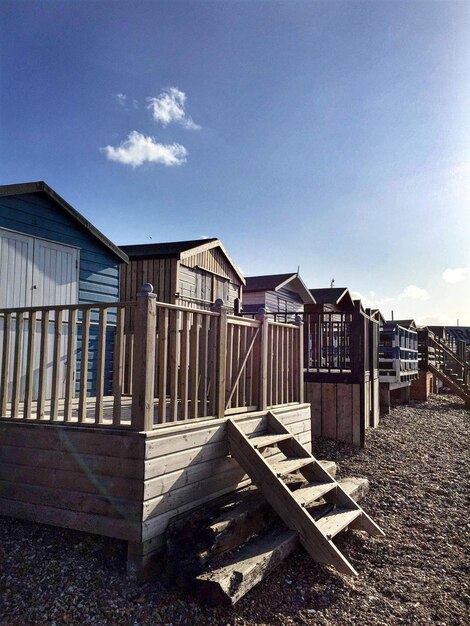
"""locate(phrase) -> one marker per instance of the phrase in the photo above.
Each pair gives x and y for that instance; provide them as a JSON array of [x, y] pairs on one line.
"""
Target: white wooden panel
[[16, 263], [55, 274]]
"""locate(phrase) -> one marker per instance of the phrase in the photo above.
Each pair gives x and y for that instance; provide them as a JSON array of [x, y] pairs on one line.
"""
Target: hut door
[[36, 272]]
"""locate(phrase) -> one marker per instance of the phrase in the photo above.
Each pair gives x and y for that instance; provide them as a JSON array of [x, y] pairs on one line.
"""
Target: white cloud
[[456, 275], [121, 99], [414, 293], [170, 107], [138, 149]]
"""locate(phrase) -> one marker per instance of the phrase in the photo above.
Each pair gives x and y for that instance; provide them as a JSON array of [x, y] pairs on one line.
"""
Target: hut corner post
[[143, 385], [263, 363], [218, 307], [300, 347]]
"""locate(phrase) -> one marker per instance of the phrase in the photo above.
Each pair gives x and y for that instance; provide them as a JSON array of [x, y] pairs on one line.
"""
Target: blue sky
[[329, 135]]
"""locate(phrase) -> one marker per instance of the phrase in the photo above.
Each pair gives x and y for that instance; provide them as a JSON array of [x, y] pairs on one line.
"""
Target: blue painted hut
[[52, 256]]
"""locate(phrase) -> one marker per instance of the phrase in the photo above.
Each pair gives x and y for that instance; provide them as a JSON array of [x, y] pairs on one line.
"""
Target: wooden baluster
[[43, 356], [212, 392], [118, 366], [204, 360], [71, 366], [184, 382], [194, 365], [17, 365], [162, 364], [175, 360], [5, 364], [101, 366], [82, 401], [54, 413], [29, 379]]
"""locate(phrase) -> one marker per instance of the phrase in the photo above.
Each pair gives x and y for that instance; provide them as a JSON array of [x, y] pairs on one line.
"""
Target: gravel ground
[[417, 464]]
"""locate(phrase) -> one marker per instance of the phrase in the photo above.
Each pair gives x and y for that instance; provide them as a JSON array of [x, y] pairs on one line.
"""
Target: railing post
[[300, 341], [143, 385], [263, 359], [218, 307]]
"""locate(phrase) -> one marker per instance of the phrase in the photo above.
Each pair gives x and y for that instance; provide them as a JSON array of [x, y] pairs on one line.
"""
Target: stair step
[[329, 466], [264, 441], [312, 491], [337, 520], [287, 466]]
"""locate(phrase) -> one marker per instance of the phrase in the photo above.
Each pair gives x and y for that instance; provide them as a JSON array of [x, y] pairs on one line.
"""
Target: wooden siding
[[336, 410], [273, 301], [196, 287], [161, 273], [35, 215], [215, 262], [187, 465], [85, 479]]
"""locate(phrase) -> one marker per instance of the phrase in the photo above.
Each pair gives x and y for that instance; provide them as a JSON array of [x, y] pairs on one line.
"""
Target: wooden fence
[[80, 365]]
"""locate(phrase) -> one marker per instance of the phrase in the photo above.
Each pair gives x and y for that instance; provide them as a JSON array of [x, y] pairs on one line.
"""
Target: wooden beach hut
[[192, 273], [282, 296], [341, 365]]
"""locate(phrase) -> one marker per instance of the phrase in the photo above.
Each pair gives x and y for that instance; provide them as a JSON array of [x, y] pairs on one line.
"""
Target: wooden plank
[[118, 365], [83, 389], [174, 362], [29, 378], [344, 412], [143, 391], [71, 366], [163, 319], [86, 522], [108, 505], [56, 353], [6, 348], [100, 367], [83, 440], [356, 415], [17, 363], [204, 364], [194, 366], [184, 369], [329, 410], [314, 396]]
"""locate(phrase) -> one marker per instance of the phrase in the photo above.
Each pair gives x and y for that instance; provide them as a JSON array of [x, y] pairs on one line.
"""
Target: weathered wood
[[328, 406], [55, 391], [5, 364], [82, 405], [29, 379], [71, 367], [144, 360], [18, 354], [100, 367], [229, 582]]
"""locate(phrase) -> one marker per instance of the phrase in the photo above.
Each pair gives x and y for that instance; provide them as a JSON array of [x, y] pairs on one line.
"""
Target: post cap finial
[[147, 287], [299, 319], [218, 304], [261, 314]]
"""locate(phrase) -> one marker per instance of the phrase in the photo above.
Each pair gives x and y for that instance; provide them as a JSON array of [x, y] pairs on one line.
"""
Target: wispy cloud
[[414, 293], [138, 149], [170, 107], [121, 99], [455, 275]]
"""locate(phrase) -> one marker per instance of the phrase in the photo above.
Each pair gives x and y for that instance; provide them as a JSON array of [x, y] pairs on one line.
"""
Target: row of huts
[[115, 395], [51, 255]]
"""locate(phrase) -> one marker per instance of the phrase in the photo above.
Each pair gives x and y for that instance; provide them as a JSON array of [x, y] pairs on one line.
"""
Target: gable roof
[[42, 187], [168, 249], [331, 295], [275, 282], [410, 324], [460, 333], [178, 250]]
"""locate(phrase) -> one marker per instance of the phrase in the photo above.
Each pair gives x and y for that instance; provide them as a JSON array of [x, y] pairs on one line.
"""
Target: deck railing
[[83, 365]]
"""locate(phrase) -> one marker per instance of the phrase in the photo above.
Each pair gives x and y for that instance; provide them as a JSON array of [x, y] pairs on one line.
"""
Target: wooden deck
[[116, 433]]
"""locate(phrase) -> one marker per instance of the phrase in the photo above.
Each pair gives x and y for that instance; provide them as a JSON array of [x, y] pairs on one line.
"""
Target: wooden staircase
[[316, 536], [451, 380]]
